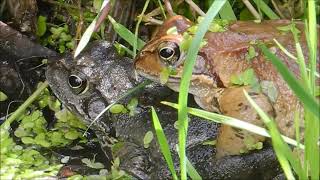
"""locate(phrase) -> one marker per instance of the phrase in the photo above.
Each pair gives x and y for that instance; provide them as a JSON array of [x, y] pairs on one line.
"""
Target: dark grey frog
[[98, 76]]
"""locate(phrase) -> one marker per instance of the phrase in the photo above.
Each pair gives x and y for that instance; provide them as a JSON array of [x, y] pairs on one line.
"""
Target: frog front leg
[[134, 159], [232, 102]]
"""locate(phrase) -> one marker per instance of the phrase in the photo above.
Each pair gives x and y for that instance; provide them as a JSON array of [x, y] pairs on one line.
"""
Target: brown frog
[[224, 56]]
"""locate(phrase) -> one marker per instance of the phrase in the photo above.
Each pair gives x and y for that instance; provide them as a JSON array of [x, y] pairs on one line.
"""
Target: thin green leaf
[[218, 118], [126, 34], [284, 50], [6, 125], [162, 9], [192, 172], [312, 123], [266, 9], [164, 146], [137, 27], [293, 83], [185, 82], [226, 12]]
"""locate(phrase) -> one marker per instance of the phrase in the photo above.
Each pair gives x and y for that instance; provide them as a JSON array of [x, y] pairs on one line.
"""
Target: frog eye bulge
[[169, 52], [78, 85]]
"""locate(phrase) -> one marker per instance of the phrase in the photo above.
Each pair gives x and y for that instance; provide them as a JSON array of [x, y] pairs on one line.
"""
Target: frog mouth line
[[171, 79]]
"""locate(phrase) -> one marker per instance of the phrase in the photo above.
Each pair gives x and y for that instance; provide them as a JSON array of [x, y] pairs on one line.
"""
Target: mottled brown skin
[[225, 55]]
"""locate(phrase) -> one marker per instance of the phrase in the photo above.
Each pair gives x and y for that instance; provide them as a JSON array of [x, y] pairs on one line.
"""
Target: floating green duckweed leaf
[[173, 30], [72, 134], [246, 78], [3, 96], [27, 140], [92, 163], [148, 137], [213, 142], [193, 29], [21, 132], [251, 53], [164, 75], [270, 90], [187, 38], [76, 177], [41, 26], [218, 25], [117, 108], [132, 105]]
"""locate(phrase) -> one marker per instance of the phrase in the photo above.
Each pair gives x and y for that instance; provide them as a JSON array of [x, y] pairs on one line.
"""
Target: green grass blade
[[266, 9], [185, 82], [284, 50], [6, 125], [226, 12], [164, 146], [313, 40], [137, 27], [218, 118], [192, 172], [126, 34], [282, 150], [162, 9], [312, 124], [308, 101]]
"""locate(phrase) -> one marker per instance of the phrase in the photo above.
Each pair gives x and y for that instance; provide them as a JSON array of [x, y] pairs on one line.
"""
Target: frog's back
[[228, 52]]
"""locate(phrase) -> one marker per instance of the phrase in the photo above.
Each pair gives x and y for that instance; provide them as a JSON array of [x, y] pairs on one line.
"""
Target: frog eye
[[78, 85], [169, 52]]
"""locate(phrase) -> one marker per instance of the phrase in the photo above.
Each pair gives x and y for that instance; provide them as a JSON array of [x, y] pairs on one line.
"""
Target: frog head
[[164, 56], [87, 84]]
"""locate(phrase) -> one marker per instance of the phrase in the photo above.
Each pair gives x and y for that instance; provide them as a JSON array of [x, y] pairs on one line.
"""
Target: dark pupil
[[166, 52], [75, 81]]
